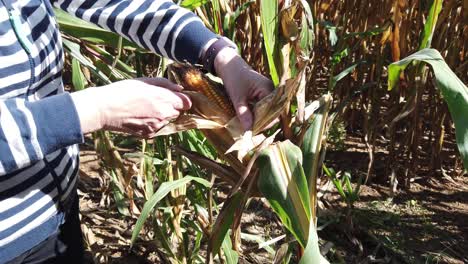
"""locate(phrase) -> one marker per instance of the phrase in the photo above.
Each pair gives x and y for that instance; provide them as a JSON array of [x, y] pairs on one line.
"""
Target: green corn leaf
[[335, 79], [312, 251], [192, 4], [162, 191], [118, 191], [270, 22], [216, 14], [74, 50], [283, 183], [78, 78], [452, 88], [230, 19], [109, 58], [312, 145], [307, 33], [261, 242], [223, 222], [430, 24], [232, 257], [84, 30]]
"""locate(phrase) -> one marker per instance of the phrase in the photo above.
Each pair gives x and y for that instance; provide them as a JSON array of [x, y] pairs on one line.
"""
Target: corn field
[[390, 75]]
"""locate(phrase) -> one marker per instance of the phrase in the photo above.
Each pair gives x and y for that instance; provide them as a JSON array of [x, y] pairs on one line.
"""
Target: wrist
[[228, 61], [89, 112], [212, 50]]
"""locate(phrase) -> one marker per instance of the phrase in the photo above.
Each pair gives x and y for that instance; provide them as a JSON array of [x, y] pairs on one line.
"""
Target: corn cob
[[193, 79]]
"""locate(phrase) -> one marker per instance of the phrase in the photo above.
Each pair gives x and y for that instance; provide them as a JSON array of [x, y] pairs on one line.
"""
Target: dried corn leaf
[[246, 143], [289, 27], [187, 122], [271, 107], [224, 172]]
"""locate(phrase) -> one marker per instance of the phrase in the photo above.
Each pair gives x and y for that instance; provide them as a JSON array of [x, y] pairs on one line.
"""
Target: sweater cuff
[[191, 41], [58, 124]]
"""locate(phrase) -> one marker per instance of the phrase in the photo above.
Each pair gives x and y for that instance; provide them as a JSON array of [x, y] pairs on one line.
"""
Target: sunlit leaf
[[430, 24], [269, 17], [312, 253], [163, 190], [312, 145], [455, 93], [283, 183], [192, 4], [231, 256], [78, 78], [75, 51]]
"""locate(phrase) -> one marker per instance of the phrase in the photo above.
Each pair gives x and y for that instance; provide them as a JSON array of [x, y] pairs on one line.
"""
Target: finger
[[244, 114], [171, 114], [268, 88], [136, 127], [162, 111], [156, 126], [162, 82], [181, 101], [264, 89]]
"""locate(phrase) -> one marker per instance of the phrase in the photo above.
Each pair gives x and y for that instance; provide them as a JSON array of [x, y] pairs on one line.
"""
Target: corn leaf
[[231, 256], [192, 4], [312, 145], [307, 29], [109, 58], [78, 78], [163, 190], [74, 50], [335, 79], [283, 183], [223, 222], [312, 253], [86, 31], [269, 18], [430, 24], [118, 190], [453, 90]]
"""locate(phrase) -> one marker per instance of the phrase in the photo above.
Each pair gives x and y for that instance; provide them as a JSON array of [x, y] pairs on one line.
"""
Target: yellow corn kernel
[[195, 80]]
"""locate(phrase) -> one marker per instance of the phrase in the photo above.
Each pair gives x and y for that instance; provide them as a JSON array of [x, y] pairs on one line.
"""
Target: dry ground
[[426, 224]]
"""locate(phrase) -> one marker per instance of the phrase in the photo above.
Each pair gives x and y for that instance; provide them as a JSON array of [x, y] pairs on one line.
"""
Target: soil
[[424, 224]]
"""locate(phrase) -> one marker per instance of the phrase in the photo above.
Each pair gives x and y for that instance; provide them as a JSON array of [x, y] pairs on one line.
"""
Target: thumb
[[161, 82], [183, 102], [244, 114]]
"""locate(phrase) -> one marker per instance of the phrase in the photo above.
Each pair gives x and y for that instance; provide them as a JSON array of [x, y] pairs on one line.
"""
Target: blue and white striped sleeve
[[158, 25], [31, 130]]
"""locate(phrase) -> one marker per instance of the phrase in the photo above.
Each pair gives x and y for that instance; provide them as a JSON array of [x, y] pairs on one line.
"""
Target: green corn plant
[[344, 187], [454, 91], [171, 181]]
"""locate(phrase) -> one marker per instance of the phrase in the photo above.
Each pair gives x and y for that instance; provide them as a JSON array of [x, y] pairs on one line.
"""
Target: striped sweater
[[39, 125]]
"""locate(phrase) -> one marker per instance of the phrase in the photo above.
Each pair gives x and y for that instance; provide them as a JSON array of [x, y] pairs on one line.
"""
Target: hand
[[139, 106], [243, 84]]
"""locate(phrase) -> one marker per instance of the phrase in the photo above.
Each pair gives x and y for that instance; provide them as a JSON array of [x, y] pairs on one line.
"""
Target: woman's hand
[[139, 106], [243, 84]]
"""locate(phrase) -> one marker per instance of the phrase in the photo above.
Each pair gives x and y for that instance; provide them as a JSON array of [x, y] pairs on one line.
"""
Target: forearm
[[31, 130], [160, 26]]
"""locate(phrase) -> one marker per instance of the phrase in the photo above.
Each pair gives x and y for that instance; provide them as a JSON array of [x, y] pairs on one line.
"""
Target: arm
[[31, 130], [158, 25], [174, 32]]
